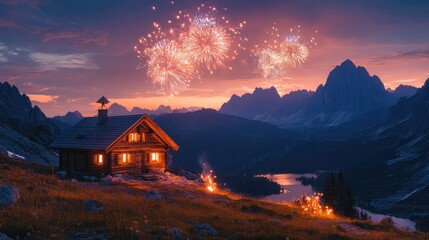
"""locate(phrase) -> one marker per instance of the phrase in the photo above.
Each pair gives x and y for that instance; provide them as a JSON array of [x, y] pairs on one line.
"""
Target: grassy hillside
[[50, 208]]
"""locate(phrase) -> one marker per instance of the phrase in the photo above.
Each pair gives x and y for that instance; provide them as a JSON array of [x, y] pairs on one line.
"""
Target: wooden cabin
[[132, 144]]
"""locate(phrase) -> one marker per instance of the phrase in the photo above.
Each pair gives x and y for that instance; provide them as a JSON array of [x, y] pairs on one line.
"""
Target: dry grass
[[52, 209]]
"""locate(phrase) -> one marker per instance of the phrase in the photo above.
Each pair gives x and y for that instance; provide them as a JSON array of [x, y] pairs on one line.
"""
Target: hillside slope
[[49, 208], [227, 143]]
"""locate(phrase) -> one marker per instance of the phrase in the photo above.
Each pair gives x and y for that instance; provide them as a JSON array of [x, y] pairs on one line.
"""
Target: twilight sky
[[66, 54]]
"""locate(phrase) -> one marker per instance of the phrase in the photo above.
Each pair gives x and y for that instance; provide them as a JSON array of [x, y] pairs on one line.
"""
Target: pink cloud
[[8, 24], [78, 38]]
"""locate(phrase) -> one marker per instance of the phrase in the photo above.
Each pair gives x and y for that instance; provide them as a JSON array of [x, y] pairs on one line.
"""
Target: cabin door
[[139, 161]]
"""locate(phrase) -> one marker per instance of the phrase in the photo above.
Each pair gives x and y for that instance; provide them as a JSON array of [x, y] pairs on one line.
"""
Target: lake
[[294, 190]]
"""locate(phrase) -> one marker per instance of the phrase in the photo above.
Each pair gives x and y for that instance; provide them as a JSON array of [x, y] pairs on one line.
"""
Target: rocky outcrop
[[8, 195], [410, 115], [17, 112], [153, 195], [93, 206]]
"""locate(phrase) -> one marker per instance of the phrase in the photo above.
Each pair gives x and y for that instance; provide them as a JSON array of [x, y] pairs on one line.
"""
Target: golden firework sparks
[[168, 66], [277, 55], [194, 43], [207, 43]]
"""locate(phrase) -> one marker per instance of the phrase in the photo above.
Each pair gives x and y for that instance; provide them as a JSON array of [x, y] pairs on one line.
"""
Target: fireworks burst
[[207, 43], [271, 63], [280, 55], [176, 55], [293, 52], [168, 66]]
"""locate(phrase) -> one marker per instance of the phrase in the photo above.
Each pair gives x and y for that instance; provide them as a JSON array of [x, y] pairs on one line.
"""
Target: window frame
[[99, 159], [154, 156]]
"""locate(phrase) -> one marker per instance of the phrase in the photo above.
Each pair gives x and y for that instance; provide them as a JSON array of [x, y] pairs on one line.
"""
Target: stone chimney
[[102, 111]]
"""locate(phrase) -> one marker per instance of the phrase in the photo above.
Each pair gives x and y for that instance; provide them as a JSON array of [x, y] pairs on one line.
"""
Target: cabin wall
[[155, 166], [76, 161], [139, 152]]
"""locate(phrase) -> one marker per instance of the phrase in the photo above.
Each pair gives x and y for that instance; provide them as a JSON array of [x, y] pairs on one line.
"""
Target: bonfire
[[209, 181]]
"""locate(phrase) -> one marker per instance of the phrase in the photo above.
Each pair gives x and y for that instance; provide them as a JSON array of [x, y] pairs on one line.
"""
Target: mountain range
[[349, 93], [116, 110]]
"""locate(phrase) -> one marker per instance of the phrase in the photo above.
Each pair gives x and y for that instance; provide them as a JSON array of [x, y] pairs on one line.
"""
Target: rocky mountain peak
[[348, 64], [352, 88], [117, 109], [251, 105]]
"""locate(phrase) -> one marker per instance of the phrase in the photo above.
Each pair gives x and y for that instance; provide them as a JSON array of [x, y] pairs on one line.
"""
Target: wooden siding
[[155, 166], [83, 162]]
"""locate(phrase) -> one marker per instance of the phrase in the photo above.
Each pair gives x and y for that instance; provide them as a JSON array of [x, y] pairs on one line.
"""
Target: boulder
[[153, 195], [176, 233], [205, 230], [4, 237], [8, 195], [109, 179], [61, 174], [93, 206]]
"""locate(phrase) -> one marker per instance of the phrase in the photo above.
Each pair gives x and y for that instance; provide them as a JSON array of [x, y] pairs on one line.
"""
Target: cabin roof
[[86, 134]]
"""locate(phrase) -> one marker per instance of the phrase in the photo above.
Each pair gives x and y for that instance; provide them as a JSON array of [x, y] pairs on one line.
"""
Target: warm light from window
[[143, 137], [124, 157], [100, 158], [133, 137], [155, 157]]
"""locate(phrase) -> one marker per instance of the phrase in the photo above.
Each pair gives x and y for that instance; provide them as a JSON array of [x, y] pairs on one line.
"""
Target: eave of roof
[[106, 136]]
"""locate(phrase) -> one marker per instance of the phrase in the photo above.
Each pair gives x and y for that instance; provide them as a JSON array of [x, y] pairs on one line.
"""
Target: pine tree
[[337, 195], [329, 191], [349, 207]]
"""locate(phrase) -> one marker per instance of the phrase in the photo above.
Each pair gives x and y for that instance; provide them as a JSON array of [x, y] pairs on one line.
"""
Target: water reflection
[[293, 188]]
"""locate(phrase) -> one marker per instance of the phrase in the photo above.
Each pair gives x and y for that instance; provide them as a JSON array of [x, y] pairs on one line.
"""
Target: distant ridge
[[349, 93]]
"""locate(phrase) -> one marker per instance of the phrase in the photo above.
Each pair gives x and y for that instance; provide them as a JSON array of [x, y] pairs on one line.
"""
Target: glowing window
[[143, 137], [125, 158], [99, 159], [133, 137], [154, 157]]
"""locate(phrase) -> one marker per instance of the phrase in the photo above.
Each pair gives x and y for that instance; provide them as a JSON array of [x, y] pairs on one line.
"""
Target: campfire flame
[[311, 204], [209, 181]]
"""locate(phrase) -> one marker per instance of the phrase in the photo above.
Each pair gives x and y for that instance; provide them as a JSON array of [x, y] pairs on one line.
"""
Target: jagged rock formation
[[349, 93], [253, 105], [24, 129], [404, 91], [17, 112]]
